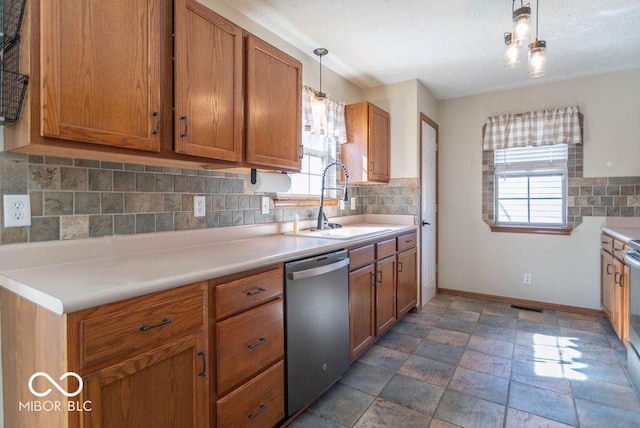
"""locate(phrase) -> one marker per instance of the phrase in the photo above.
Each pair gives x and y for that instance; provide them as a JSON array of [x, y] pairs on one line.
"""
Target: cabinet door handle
[[256, 344], [262, 408], [373, 166], [258, 290], [617, 278], [399, 266], [186, 126], [380, 277], [608, 268], [204, 364], [301, 151], [156, 129], [373, 278], [145, 327]]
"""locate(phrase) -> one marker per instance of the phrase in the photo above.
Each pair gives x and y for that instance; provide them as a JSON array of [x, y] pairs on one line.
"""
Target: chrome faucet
[[321, 217]]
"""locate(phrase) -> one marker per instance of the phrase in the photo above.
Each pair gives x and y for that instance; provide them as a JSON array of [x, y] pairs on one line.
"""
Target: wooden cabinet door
[[407, 281], [385, 294], [100, 72], [273, 107], [361, 309], [606, 279], [159, 388], [618, 286], [379, 145], [208, 83]]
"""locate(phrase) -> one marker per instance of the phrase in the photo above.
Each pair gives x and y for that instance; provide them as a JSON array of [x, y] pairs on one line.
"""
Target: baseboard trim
[[511, 300]]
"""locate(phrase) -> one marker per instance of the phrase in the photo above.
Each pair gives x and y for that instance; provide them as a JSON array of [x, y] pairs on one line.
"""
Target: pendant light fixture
[[537, 58], [537, 50], [511, 53], [320, 52], [319, 100], [521, 23]]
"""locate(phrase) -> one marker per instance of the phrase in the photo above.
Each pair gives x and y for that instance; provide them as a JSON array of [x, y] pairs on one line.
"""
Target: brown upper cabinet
[[103, 84], [101, 72], [274, 107], [208, 83], [367, 152]]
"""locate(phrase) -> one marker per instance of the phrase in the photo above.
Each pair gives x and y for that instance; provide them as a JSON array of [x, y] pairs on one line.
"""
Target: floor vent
[[527, 308]]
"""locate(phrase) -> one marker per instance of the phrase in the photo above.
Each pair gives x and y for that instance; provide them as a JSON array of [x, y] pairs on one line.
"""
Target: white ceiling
[[454, 47]]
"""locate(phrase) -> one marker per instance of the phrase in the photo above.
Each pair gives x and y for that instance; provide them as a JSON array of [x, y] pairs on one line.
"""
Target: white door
[[428, 203]]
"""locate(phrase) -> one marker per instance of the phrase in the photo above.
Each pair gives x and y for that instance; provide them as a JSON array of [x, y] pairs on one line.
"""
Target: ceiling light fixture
[[537, 52], [320, 52], [537, 63]]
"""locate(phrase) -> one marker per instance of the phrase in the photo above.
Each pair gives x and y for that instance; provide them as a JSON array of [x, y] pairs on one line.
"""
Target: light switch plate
[[265, 205], [199, 206], [17, 210]]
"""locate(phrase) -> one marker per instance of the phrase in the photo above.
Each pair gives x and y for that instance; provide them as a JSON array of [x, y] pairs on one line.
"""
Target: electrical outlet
[[265, 205], [17, 210], [353, 203], [341, 204], [199, 206], [527, 279]]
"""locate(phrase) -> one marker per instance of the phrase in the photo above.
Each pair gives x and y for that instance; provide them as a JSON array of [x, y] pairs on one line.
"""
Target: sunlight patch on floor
[[557, 357]]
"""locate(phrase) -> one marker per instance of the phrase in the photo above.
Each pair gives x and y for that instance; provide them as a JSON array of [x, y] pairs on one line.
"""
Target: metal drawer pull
[[156, 130], [380, 276], [258, 343], [145, 327], [204, 364], [262, 408], [258, 290], [184, 119]]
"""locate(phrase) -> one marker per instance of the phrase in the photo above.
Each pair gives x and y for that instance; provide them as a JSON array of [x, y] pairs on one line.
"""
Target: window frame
[[537, 172], [529, 169]]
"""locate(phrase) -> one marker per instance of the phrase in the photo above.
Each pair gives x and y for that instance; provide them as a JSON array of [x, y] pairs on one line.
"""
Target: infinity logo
[[55, 384]]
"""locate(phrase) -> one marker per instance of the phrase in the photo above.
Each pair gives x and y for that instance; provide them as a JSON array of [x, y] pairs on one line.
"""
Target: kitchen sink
[[347, 232]]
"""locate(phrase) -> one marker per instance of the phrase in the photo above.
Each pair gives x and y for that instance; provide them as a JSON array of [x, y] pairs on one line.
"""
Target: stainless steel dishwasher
[[316, 325]]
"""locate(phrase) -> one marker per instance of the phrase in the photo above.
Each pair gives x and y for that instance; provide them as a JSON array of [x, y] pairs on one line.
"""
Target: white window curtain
[[323, 118], [534, 128]]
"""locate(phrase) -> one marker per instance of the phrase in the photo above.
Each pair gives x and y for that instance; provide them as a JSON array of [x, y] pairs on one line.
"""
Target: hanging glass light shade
[[511, 53], [537, 58], [522, 25]]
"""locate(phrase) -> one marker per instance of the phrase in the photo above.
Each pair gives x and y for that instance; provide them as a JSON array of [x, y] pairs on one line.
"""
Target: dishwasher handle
[[321, 270]]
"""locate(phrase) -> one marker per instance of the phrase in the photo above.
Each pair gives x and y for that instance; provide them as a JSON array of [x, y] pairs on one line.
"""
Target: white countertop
[[622, 228], [67, 276]]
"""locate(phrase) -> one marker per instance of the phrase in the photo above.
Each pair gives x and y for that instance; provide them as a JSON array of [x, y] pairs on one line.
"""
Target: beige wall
[[404, 101], [565, 269]]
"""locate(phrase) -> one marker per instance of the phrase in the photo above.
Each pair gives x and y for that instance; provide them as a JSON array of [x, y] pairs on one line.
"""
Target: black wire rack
[[13, 84]]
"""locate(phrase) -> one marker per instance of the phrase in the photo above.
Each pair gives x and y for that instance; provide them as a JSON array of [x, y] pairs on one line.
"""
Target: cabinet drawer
[[258, 403], [249, 292], [361, 256], [127, 330], [618, 248], [385, 248], [249, 342], [406, 242], [607, 243]]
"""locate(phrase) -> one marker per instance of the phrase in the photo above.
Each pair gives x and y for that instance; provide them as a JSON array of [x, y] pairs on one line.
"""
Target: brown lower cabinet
[[206, 354], [614, 285], [382, 288]]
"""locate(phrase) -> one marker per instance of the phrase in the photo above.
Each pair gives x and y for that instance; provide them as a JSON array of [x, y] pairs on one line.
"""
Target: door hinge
[[436, 207], [437, 147]]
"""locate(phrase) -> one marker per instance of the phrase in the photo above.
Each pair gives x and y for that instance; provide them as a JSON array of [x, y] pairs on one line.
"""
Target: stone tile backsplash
[[77, 198]]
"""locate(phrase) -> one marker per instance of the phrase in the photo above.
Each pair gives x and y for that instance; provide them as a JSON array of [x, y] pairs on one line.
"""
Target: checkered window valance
[[534, 128]]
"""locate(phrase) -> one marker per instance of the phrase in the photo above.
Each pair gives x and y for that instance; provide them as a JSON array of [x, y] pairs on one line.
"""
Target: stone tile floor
[[464, 362]]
